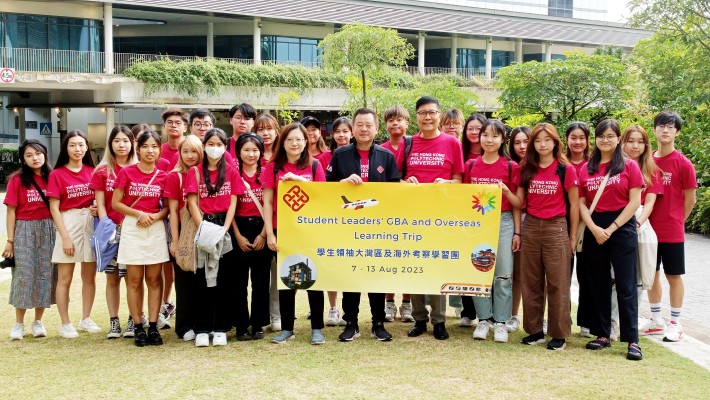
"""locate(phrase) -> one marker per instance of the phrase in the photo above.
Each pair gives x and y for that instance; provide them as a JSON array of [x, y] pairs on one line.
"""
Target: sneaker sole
[[649, 332], [407, 319], [665, 339], [381, 339], [129, 335], [500, 341], [331, 323], [43, 334], [283, 341], [113, 336], [389, 319], [356, 335], [535, 342], [557, 348]]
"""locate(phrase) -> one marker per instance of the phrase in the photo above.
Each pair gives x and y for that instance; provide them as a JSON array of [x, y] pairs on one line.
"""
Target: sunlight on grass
[[94, 367]]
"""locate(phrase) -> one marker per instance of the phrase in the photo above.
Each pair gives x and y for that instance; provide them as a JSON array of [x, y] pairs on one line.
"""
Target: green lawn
[[93, 367]]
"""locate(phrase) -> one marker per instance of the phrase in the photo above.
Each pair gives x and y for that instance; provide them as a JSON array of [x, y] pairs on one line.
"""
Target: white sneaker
[[144, 321], [674, 332], [202, 340], [481, 332], [390, 311], [465, 322], [89, 326], [67, 331], [614, 335], [38, 329], [276, 324], [163, 322], [333, 317], [500, 333], [189, 336], [512, 324], [219, 339], [458, 311], [405, 312], [18, 331], [653, 327], [584, 332]]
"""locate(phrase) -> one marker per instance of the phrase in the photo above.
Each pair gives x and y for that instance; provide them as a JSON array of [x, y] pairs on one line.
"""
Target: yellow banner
[[388, 237]]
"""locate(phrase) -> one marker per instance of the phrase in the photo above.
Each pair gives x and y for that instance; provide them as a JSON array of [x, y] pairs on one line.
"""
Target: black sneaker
[[350, 332], [140, 338], [257, 334], [243, 337], [535, 338], [556, 344], [115, 331], [418, 328], [379, 332], [154, 338], [440, 331]]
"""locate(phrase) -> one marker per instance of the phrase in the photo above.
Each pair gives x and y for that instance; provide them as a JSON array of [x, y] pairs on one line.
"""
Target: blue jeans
[[500, 304]]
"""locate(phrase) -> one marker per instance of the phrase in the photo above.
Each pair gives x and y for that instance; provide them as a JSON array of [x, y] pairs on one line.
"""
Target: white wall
[[73, 9]]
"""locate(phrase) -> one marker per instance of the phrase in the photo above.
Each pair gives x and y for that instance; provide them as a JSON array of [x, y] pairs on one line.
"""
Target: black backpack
[[561, 172]]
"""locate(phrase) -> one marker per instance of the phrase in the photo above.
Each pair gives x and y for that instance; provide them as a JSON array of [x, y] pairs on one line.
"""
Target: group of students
[[229, 186]]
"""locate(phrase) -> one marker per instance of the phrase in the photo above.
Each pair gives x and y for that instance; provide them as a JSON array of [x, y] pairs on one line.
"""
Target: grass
[[94, 367]]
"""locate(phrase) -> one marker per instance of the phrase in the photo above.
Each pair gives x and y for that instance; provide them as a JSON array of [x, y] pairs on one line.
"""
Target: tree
[[364, 50], [565, 87], [686, 19]]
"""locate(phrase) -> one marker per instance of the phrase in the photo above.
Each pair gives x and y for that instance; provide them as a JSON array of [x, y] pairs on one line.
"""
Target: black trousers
[[184, 299], [584, 302], [469, 309], [287, 303], [256, 264], [351, 306], [618, 252], [212, 304]]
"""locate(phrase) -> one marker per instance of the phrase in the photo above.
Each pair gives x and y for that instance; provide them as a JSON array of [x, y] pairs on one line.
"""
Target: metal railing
[[46, 60], [71, 61]]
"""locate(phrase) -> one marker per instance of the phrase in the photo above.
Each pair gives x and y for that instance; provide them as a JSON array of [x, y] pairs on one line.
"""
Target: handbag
[[647, 252], [185, 252], [582, 226]]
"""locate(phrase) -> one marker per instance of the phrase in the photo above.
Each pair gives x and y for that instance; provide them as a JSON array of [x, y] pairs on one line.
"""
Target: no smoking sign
[[7, 75]]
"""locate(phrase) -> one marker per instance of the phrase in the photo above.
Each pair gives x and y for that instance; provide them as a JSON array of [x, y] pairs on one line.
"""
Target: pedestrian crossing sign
[[45, 128]]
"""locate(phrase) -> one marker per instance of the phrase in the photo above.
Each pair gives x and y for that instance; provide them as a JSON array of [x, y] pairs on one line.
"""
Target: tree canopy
[[686, 19]]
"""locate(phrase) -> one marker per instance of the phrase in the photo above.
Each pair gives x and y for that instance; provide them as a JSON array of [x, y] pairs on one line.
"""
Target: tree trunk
[[364, 89]]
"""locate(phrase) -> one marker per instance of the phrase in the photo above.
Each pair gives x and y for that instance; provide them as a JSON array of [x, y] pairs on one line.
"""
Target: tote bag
[[647, 252], [185, 252]]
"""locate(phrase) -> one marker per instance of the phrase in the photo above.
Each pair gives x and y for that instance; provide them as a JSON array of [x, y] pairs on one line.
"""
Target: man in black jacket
[[359, 162]]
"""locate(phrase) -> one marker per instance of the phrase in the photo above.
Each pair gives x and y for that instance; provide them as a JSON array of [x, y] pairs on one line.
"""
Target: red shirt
[[578, 167], [440, 157], [101, 181], [324, 159], [28, 203], [246, 206], [268, 181], [472, 156], [218, 202], [164, 165], [173, 189], [398, 154], [134, 183], [364, 164], [656, 187], [482, 173], [71, 188], [667, 217], [616, 193], [543, 198], [168, 153]]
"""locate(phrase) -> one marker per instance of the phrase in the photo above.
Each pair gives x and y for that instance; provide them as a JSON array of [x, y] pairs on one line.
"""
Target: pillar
[[519, 50], [489, 58], [110, 119], [257, 41], [547, 46], [108, 38], [422, 51], [210, 39], [454, 50], [23, 133]]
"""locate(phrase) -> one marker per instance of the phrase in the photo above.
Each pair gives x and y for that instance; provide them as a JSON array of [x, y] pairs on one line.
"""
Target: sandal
[[599, 343], [634, 352]]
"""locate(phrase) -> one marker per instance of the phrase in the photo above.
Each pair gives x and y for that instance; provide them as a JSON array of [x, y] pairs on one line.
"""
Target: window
[[42, 32], [289, 49], [560, 8]]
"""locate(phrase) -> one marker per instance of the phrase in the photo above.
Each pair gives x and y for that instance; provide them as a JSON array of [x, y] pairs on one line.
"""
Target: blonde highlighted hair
[[645, 162], [191, 142]]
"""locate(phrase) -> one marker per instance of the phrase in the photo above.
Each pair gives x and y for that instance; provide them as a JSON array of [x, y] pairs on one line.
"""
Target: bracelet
[[262, 236], [516, 233], [11, 240], [617, 225]]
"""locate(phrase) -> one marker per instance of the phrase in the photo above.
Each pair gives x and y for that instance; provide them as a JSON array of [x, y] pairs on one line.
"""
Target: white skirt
[[79, 224], [142, 246]]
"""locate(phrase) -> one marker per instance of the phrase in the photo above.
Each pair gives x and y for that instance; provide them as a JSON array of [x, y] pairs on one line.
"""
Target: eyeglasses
[[173, 123], [670, 127], [431, 114], [608, 138], [239, 118], [204, 125]]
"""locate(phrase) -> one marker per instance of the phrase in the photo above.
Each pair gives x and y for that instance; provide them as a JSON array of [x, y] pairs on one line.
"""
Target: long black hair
[[336, 124], [259, 143], [500, 128], [27, 175], [618, 161], [584, 128], [524, 130], [63, 158], [221, 164], [465, 144]]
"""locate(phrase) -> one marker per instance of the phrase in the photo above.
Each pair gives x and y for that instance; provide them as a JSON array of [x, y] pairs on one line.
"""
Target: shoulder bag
[[185, 252], [582, 226]]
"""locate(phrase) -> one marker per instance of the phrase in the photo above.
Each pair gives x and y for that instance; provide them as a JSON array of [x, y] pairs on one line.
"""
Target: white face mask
[[214, 152]]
